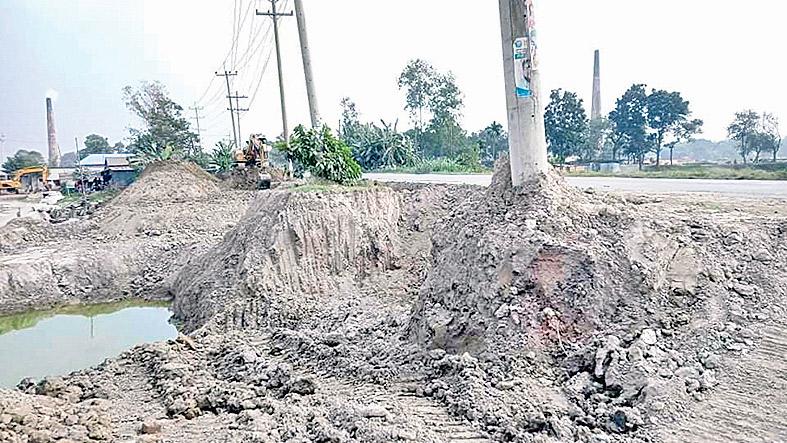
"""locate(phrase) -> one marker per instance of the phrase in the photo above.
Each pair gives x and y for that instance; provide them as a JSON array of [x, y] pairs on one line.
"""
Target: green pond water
[[57, 342]]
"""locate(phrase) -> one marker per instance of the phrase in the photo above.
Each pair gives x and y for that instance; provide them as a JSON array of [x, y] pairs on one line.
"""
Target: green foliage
[[668, 120], [166, 133], [566, 125], [418, 79], [68, 160], [769, 137], [94, 144], [322, 154], [598, 144], [629, 122], [376, 147], [743, 130], [439, 165], [23, 159], [350, 121], [439, 95], [148, 153], [223, 155], [492, 142]]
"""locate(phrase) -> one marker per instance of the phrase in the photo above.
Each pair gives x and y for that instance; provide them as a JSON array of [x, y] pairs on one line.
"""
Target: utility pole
[[196, 110], [527, 136], [226, 76], [2, 148], [238, 110], [300, 17], [81, 172], [275, 16]]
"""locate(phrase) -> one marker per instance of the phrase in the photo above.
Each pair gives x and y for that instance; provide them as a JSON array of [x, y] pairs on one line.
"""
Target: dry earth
[[421, 313]]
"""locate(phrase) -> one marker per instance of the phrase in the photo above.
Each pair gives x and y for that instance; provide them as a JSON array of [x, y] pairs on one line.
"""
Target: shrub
[[322, 154]]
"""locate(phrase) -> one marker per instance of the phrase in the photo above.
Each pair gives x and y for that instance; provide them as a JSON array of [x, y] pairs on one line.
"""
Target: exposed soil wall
[[290, 251]]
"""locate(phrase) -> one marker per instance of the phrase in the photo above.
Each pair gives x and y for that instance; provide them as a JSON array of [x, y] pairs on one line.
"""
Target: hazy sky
[[723, 55]]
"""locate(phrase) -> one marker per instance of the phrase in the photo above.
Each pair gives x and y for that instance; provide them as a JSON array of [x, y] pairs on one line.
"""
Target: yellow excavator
[[16, 184]]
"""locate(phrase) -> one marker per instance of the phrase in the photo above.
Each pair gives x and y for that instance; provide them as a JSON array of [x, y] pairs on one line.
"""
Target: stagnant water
[[58, 342]]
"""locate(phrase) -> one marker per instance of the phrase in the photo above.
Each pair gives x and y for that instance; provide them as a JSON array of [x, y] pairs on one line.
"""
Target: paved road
[[740, 188]]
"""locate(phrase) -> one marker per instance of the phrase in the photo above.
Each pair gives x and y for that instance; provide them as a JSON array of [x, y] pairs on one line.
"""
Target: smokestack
[[595, 112], [54, 149]]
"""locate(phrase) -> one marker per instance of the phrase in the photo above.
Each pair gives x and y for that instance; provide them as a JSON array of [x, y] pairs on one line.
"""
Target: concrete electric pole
[[226, 76], [527, 137], [196, 110], [595, 112], [275, 16], [238, 110], [2, 149], [300, 17]]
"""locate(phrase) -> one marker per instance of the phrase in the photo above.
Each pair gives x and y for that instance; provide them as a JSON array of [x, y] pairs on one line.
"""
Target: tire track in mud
[[436, 423], [750, 403]]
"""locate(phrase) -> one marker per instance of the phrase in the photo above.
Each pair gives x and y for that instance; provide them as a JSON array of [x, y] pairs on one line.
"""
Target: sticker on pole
[[522, 67]]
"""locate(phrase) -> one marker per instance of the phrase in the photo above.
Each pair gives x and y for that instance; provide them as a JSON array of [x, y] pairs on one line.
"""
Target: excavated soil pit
[[440, 313]]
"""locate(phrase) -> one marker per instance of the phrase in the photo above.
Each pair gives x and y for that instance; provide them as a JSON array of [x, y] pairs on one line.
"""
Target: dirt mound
[[588, 315], [168, 181], [528, 258], [290, 250]]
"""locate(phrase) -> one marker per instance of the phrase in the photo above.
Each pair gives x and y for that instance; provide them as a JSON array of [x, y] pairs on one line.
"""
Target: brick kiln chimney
[[54, 149]]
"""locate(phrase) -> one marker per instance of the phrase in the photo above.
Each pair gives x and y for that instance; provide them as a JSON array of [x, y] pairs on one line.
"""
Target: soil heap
[[436, 314]]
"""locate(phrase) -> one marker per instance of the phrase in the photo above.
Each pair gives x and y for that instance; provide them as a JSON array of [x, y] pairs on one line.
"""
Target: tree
[[166, 133], [598, 143], [742, 130], [68, 160], [492, 141], [668, 115], [350, 121], [566, 125], [23, 159], [94, 144], [684, 134], [418, 79], [629, 122], [769, 126], [446, 101], [119, 148]]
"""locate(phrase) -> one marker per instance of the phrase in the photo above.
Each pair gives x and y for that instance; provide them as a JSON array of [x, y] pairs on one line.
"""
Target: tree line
[[642, 124]]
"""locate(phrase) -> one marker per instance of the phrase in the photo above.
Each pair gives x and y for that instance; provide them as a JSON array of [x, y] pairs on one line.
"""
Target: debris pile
[[440, 313]]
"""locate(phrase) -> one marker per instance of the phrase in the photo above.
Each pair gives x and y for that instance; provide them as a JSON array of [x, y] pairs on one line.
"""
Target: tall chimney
[[54, 149], [595, 112]]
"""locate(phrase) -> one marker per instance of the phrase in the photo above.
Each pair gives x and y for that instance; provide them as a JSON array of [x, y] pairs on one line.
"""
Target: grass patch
[[696, 172], [440, 165]]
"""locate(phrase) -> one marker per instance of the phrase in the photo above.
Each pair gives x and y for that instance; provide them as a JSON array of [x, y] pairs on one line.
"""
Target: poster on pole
[[522, 67]]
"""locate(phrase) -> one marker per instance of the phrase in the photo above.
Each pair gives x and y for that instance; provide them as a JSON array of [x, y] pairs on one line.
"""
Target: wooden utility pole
[[275, 16], [196, 110], [300, 17], [226, 76], [238, 110], [527, 137]]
